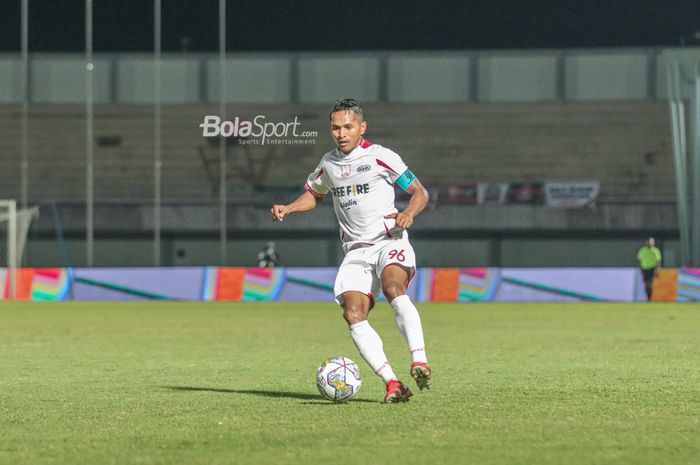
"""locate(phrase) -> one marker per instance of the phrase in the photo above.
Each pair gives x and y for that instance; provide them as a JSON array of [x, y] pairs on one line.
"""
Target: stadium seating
[[624, 144]]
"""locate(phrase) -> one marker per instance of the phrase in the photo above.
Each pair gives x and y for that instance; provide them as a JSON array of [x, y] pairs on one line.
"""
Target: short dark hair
[[347, 104]]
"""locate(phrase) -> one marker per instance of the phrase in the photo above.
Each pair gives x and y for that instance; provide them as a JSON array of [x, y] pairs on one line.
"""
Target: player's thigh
[[399, 253], [354, 275], [395, 267], [648, 276]]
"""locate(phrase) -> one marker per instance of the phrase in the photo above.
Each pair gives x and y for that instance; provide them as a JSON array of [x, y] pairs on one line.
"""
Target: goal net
[[14, 226]]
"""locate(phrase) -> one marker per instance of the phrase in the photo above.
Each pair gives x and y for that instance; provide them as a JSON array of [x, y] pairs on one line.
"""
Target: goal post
[[14, 227]]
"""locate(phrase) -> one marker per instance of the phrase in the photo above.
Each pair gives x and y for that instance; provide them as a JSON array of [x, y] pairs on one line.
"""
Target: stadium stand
[[623, 144]]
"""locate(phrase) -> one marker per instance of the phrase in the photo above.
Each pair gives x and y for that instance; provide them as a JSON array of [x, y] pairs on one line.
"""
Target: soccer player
[[360, 176]]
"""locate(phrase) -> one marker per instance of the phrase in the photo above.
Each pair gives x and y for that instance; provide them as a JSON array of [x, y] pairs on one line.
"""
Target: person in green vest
[[649, 258]]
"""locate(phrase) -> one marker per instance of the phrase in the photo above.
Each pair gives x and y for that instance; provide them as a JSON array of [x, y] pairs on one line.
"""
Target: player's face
[[347, 129]]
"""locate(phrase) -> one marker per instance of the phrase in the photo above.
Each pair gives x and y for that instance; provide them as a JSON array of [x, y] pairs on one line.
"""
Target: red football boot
[[420, 372], [396, 392]]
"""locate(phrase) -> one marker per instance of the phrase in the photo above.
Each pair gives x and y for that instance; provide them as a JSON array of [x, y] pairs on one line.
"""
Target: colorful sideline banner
[[316, 284]]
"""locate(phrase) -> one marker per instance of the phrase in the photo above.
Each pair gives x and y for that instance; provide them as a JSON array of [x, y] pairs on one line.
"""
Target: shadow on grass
[[259, 392]]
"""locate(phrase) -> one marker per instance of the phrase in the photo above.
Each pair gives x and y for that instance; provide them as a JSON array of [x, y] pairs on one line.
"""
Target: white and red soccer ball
[[338, 379]]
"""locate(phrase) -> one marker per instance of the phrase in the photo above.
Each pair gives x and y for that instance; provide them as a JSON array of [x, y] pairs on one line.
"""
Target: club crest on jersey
[[345, 170]]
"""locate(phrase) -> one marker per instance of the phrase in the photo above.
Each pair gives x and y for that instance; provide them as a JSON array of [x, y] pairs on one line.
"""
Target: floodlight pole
[[24, 89], [222, 139], [89, 147], [677, 110], [157, 157], [695, 132]]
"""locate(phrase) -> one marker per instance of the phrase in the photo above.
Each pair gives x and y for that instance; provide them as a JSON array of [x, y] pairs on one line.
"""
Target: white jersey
[[362, 186]]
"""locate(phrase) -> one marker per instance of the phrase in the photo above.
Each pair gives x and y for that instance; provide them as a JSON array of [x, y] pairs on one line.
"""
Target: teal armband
[[406, 179]]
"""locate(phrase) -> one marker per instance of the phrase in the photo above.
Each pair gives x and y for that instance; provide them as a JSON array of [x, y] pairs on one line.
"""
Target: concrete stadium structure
[[455, 117]]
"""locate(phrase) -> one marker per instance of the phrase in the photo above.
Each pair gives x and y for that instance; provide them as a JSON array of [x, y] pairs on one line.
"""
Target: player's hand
[[278, 212], [403, 219]]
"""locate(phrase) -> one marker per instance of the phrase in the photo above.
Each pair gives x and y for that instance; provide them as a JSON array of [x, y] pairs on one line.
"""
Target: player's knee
[[393, 289], [353, 314]]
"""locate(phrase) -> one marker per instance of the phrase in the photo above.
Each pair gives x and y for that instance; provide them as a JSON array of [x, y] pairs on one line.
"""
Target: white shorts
[[362, 268]]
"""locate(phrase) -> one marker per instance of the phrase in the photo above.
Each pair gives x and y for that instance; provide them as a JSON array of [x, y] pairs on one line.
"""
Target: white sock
[[408, 322], [371, 348]]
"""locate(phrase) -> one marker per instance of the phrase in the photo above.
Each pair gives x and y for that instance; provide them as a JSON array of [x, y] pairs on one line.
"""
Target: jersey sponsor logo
[[351, 190], [345, 170], [345, 205], [363, 168]]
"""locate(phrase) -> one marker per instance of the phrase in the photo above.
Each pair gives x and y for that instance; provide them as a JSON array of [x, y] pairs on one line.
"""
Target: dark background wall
[[126, 25]]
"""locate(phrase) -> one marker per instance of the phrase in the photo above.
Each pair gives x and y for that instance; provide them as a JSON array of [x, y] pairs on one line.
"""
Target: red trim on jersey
[[364, 143], [313, 192], [381, 163], [319, 174], [388, 234]]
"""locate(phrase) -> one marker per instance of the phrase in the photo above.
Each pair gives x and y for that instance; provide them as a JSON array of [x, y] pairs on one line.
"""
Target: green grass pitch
[[193, 383]]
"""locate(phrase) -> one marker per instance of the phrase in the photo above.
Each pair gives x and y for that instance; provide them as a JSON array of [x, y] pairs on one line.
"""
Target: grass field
[[190, 383]]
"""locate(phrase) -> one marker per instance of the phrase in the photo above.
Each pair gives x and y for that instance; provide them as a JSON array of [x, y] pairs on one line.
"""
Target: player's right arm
[[305, 202]]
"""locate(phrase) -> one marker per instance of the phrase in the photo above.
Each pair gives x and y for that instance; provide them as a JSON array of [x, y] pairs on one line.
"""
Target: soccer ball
[[338, 379]]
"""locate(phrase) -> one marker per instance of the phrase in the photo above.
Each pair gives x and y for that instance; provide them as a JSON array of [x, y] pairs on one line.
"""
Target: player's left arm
[[657, 252], [419, 199]]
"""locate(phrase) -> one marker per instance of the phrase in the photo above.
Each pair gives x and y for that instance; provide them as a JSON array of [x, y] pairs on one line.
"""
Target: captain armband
[[406, 179]]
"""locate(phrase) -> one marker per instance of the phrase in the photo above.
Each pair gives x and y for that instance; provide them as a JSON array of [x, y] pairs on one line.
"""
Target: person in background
[[649, 258], [268, 258]]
